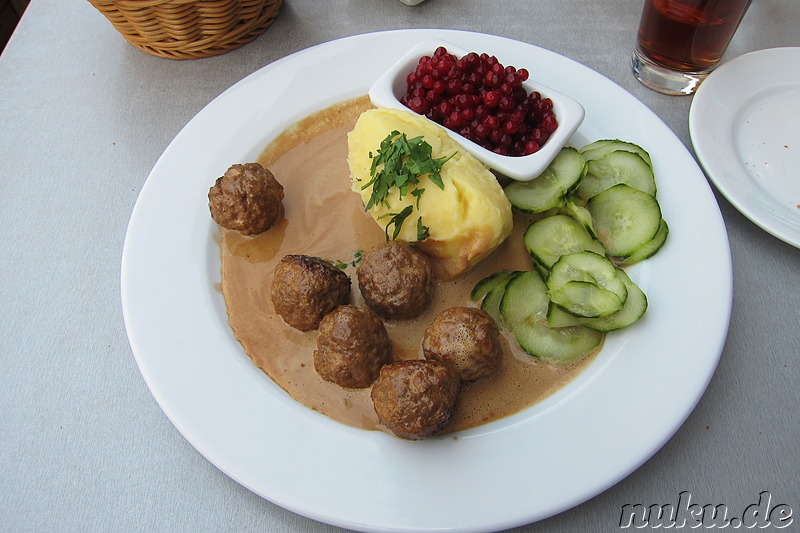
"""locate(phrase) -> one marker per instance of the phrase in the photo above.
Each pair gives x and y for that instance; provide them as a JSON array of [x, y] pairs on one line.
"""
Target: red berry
[[510, 127], [491, 98], [483, 100], [531, 147], [491, 79], [491, 122], [549, 123], [454, 120], [453, 86], [419, 105], [506, 103], [445, 108], [500, 150]]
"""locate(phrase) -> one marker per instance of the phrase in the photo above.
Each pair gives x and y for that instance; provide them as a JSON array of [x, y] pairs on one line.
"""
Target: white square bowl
[[388, 88]]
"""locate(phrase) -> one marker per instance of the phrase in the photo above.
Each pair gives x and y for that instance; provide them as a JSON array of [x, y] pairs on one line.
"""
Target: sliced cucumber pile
[[524, 312], [609, 188], [586, 284], [593, 211]]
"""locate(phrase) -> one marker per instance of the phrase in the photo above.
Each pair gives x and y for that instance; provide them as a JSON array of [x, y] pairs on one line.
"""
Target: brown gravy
[[324, 218]]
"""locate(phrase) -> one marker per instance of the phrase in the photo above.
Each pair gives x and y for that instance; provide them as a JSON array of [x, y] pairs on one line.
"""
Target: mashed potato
[[466, 220]]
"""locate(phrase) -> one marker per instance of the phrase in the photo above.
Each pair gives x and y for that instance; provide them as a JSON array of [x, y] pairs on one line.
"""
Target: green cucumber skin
[[550, 189], [648, 249], [524, 309], [598, 149], [624, 218], [571, 236], [591, 267], [491, 303], [585, 300], [615, 168], [485, 286], [633, 310]]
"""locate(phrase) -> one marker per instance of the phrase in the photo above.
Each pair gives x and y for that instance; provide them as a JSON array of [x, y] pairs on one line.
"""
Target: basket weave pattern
[[189, 29]]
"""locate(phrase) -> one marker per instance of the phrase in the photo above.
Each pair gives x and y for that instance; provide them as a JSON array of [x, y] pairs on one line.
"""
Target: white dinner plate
[[527, 467], [745, 130]]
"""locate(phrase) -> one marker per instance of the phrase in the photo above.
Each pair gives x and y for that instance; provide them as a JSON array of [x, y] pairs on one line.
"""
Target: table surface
[[84, 116]]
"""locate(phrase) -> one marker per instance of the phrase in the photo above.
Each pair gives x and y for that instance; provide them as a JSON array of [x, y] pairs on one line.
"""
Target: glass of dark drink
[[681, 41]]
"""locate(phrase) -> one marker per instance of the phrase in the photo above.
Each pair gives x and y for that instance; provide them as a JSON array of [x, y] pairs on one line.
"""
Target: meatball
[[415, 398], [352, 346], [467, 339], [305, 289], [247, 199], [396, 280]]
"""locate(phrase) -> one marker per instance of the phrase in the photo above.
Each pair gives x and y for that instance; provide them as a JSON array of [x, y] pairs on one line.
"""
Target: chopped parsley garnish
[[399, 163], [397, 221], [342, 265]]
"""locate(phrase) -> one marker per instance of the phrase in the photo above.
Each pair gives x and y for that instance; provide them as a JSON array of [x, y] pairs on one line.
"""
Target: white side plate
[[746, 132]]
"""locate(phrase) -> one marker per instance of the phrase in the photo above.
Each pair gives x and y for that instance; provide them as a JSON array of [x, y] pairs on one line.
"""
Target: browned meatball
[[396, 280], [352, 346], [415, 398], [247, 199], [305, 289], [467, 339]]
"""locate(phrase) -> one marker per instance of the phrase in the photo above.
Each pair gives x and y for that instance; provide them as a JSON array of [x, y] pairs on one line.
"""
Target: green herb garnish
[[397, 221], [422, 231], [341, 265], [400, 163]]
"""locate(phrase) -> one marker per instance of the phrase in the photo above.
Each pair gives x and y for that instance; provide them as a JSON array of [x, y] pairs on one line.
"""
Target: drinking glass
[[680, 42]]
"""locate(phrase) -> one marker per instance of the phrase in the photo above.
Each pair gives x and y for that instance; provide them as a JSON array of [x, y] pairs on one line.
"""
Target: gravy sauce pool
[[325, 218]]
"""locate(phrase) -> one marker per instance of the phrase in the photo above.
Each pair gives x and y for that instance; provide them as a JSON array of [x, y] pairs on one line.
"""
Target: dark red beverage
[[688, 35]]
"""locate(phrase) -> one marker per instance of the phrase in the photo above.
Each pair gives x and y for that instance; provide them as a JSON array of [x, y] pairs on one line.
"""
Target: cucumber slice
[[484, 286], [491, 303], [614, 168], [634, 308], [579, 213], [625, 219], [598, 149], [558, 318], [591, 269], [550, 238], [585, 299], [649, 249], [549, 189], [596, 144], [524, 311]]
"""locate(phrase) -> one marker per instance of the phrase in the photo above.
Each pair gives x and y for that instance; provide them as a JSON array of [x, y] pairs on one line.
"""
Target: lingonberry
[[481, 99], [549, 123]]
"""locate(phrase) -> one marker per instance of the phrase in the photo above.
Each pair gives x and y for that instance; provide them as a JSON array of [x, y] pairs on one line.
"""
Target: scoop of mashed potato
[[466, 220]]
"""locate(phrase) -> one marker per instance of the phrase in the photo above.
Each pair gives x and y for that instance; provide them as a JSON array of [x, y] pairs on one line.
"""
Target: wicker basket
[[189, 29]]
